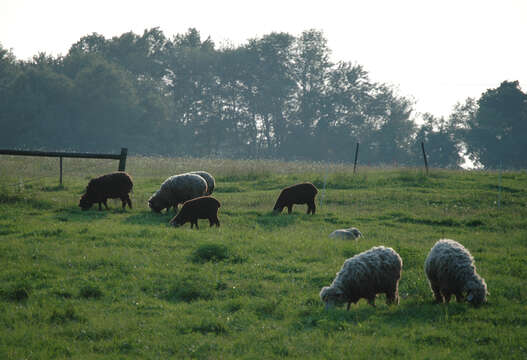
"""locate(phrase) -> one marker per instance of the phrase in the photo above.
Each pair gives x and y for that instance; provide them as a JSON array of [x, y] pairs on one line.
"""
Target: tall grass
[[124, 284]]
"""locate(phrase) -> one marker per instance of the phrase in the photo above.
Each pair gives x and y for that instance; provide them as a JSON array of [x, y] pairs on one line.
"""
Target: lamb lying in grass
[[351, 233]]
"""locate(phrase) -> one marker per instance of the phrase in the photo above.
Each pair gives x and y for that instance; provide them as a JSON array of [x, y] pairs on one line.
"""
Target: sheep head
[[332, 296], [477, 292], [85, 203]]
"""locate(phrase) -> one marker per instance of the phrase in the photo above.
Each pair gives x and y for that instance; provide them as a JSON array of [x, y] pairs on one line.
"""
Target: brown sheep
[[204, 207], [297, 194], [110, 186]]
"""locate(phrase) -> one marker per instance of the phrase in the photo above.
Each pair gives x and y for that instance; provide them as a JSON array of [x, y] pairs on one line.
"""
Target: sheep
[[451, 270], [365, 275], [208, 178], [204, 207], [177, 189], [351, 233], [296, 194], [110, 186]]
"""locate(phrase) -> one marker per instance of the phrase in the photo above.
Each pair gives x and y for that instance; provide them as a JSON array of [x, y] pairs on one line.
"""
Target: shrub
[[210, 252], [90, 292], [190, 289], [17, 292]]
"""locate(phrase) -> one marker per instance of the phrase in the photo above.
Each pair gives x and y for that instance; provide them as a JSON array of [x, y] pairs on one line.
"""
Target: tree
[[107, 107], [392, 131], [39, 105], [311, 73], [495, 135], [442, 146], [193, 85], [270, 85]]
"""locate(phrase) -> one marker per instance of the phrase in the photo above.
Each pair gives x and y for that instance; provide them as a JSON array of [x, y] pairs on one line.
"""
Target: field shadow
[[269, 220], [149, 218], [424, 312], [77, 215], [54, 188], [398, 317]]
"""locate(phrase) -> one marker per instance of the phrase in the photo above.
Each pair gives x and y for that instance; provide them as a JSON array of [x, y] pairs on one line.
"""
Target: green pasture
[[123, 284]]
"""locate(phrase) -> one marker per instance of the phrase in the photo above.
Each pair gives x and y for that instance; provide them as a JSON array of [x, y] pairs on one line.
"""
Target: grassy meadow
[[123, 284]]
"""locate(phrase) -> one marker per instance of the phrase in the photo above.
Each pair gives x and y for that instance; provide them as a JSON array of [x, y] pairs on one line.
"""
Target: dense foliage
[[277, 96]]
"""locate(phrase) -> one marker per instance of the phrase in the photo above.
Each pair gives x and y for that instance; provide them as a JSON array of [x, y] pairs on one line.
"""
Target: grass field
[[120, 285]]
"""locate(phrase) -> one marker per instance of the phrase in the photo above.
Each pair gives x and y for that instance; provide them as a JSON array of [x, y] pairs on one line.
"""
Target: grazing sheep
[[208, 178], [204, 207], [451, 271], [177, 189], [297, 194], [351, 233], [365, 275], [109, 186]]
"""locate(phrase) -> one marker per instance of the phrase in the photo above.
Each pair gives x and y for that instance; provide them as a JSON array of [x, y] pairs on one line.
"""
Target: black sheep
[[109, 186], [204, 207], [297, 194]]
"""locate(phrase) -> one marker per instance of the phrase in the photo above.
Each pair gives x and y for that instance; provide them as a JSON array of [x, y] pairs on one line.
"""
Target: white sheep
[[211, 183], [451, 271], [365, 275], [177, 189], [351, 233]]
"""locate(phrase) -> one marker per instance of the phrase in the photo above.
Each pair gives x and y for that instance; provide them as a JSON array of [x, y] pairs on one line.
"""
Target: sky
[[437, 53]]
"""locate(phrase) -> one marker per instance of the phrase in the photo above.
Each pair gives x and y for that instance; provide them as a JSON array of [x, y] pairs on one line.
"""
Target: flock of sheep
[[449, 266]]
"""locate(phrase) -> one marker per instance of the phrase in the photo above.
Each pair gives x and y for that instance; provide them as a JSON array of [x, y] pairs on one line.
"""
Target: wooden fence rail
[[121, 157]]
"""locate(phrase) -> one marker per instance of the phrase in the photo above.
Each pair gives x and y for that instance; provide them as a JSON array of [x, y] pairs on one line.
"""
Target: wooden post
[[424, 156], [60, 180], [324, 188], [499, 189], [356, 157], [122, 160]]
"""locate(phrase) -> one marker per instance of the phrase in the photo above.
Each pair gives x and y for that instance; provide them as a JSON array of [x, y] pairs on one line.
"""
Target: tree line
[[278, 96]]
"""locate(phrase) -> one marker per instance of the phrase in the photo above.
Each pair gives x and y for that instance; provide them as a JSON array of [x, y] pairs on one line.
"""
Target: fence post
[[356, 157], [424, 156], [499, 189], [60, 179], [122, 160], [324, 188]]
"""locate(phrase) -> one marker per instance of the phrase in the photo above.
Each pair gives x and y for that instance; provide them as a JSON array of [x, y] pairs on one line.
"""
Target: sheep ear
[[470, 297]]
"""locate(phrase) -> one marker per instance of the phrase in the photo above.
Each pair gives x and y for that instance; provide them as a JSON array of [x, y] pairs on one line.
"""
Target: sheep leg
[[123, 201], [129, 201], [289, 209], [214, 221], [459, 297], [391, 297], [348, 307], [437, 294], [311, 207], [371, 301], [196, 223], [105, 204], [100, 207]]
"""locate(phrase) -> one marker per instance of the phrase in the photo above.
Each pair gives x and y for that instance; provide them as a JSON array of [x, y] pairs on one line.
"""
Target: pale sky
[[436, 52]]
